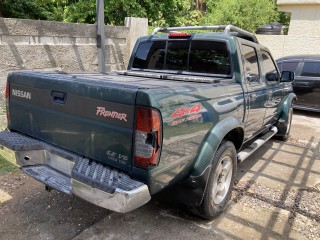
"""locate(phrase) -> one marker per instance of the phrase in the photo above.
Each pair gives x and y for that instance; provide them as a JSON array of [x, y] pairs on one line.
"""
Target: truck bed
[[87, 113]]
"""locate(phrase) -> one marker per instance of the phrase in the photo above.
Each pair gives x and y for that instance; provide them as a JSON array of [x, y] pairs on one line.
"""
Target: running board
[[245, 153]]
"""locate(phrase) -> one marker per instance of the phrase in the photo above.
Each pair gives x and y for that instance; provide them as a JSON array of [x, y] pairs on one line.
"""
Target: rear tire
[[220, 182]]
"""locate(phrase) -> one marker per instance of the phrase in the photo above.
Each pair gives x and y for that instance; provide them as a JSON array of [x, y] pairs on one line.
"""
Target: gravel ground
[[303, 204]]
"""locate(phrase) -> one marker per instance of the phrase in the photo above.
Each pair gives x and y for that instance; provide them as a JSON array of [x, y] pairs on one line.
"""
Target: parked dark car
[[306, 84]]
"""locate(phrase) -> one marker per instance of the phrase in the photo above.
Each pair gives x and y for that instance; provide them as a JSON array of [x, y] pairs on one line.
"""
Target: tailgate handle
[[59, 97]]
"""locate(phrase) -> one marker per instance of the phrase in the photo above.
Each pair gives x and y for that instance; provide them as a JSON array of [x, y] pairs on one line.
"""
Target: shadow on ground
[[274, 198]]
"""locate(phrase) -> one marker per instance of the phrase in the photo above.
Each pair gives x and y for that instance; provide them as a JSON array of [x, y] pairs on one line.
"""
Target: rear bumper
[[73, 174], [120, 201]]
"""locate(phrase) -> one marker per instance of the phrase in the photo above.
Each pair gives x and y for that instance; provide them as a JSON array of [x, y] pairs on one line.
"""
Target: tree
[[246, 14], [21, 9], [159, 13]]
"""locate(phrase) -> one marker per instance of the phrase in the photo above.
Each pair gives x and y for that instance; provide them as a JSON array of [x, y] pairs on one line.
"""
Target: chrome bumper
[[120, 201], [57, 168]]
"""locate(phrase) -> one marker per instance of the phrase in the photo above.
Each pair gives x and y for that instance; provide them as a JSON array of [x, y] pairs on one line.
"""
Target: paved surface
[[277, 166], [284, 166]]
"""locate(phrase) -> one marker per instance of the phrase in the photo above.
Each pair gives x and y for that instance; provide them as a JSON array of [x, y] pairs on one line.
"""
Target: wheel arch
[[191, 191], [235, 136], [287, 104], [284, 113], [230, 129]]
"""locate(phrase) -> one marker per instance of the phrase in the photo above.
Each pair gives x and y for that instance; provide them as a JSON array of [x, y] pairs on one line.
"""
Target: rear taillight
[[147, 137], [7, 91], [7, 96]]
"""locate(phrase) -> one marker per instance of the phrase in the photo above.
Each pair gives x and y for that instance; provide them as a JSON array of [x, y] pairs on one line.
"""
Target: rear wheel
[[220, 182]]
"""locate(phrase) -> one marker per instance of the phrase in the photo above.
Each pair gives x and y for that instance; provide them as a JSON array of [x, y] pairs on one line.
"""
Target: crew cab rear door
[[256, 94]]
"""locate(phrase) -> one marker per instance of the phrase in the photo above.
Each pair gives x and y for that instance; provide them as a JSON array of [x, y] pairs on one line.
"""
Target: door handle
[[59, 97]]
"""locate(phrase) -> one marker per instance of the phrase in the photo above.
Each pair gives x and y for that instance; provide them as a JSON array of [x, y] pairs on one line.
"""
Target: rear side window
[[288, 66], [196, 56], [311, 69]]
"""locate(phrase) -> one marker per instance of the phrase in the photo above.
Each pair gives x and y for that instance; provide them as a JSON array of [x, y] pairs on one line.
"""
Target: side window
[[269, 67], [311, 69], [279, 64], [150, 55], [289, 66], [251, 66]]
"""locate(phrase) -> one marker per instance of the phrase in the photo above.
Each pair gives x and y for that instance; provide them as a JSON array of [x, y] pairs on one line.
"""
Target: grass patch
[[6, 166]]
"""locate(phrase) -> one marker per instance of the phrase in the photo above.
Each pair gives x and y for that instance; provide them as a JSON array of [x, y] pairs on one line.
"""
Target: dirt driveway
[[277, 197]]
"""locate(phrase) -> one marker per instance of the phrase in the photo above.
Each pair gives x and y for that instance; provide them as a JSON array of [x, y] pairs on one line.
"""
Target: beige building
[[304, 29]]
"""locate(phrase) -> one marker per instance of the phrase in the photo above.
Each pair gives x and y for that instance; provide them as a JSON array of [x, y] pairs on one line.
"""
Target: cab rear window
[[205, 57]]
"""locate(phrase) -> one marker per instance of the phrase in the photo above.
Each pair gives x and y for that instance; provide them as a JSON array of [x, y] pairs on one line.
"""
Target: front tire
[[220, 182], [285, 131]]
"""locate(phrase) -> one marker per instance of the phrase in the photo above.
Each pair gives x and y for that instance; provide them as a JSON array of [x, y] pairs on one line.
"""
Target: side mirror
[[287, 76], [271, 76]]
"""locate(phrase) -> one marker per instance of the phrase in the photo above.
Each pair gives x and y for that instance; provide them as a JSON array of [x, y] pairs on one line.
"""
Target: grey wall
[[43, 45]]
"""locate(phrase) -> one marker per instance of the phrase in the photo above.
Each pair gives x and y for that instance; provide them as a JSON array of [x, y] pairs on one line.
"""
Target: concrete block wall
[[304, 29], [286, 45], [44, 45]]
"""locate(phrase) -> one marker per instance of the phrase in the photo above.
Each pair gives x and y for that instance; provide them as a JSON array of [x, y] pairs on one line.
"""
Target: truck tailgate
[[88, 117]]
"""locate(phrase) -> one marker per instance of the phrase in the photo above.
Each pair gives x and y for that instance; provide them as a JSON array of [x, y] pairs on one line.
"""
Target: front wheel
[[220, 182]]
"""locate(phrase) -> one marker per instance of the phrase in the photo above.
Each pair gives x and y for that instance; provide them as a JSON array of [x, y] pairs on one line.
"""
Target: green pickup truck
[[190, 107]]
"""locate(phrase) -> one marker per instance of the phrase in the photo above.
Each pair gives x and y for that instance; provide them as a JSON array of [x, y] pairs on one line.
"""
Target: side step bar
[[245, 153]]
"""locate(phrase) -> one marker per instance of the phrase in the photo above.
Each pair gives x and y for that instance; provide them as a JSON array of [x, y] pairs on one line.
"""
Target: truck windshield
[[196, 56]]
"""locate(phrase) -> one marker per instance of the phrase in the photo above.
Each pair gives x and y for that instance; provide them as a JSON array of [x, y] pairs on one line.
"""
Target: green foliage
[[21, 9], [83, 11], [159, 13], [174, 13], [246, 14], [284, 18], [6, 166]]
